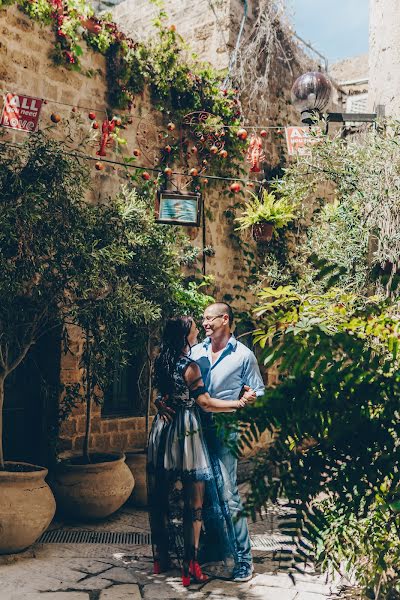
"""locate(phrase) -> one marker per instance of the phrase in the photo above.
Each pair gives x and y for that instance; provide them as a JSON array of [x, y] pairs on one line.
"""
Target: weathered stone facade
[[26, 68]]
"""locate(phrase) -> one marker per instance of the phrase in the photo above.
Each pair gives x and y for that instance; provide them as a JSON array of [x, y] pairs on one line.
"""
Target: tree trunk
[[88, 400], [2, 379]]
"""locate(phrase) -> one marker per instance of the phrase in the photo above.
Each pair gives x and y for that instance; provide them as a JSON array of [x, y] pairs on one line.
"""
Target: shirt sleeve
[[251, 375]]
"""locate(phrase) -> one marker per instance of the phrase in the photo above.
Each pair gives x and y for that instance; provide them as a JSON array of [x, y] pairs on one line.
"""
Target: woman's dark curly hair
[[173, 342]]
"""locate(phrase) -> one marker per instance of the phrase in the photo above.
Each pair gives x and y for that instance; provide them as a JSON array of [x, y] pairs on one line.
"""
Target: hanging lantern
[[311, 93]]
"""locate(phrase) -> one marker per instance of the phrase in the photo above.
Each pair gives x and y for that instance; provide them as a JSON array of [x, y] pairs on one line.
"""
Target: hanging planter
[[263, 232]]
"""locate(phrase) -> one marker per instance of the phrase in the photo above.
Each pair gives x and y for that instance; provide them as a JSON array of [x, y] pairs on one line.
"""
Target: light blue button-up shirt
[[235, 367]]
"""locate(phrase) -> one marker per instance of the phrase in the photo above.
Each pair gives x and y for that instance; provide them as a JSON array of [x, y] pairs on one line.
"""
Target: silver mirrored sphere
[[311, 92]]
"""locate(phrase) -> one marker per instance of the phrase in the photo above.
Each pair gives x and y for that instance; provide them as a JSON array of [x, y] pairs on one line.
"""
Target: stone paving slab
[[121, 572], [122, 592]]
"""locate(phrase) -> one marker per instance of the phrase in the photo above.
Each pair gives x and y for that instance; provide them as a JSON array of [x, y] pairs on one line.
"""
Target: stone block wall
[[26, 68]]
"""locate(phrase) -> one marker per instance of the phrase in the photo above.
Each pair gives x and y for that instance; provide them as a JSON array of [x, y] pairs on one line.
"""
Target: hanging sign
[[178, 209], [299, 139], [21, 112]]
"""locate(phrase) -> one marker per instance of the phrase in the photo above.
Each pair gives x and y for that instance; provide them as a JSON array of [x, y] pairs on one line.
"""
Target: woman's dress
[[178, 459]]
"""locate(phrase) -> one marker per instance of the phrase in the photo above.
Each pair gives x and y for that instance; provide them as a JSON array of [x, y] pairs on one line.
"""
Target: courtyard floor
[[118, 571]]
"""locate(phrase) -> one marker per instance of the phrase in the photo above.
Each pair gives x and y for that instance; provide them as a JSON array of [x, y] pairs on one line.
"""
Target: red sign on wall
[[299, 139], [21, 112]]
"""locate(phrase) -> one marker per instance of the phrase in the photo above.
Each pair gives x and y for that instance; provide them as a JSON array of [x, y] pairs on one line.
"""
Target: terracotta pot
[[92, 491], [136, 461], [27, 507], [262, 232]]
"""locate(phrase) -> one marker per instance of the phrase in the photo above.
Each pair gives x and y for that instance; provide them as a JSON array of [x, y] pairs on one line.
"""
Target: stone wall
[[26, 68], [384, 50]]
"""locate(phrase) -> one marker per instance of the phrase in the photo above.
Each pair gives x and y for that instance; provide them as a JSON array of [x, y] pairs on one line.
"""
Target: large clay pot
[[92, 491], [136, 461], [27, 506]]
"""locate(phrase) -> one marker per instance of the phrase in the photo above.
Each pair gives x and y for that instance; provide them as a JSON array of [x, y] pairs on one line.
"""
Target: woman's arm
[[199, 393]]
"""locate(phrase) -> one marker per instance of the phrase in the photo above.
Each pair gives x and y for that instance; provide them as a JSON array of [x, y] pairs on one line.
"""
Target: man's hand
[[165, 411], [248, 395]]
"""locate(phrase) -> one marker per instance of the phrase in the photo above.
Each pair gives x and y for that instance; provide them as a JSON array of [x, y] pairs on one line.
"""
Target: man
[[227, 366]]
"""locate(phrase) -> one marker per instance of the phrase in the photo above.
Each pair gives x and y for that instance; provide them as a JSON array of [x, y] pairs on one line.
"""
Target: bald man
[[227, 366]]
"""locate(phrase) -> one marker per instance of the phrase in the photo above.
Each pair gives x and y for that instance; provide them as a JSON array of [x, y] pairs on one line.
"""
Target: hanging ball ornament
[[99, 166], [171, 126], [194, 172], [250, 184], [205, 162], [168, 148], [205, 181], [95, 125], [263, 133], [117, 121], [55, 117], [213, 149], [136, 152], [168, 172], [146, 175], [242, 134], [92, 115], [235, 187], [223, 154], [194, 149]]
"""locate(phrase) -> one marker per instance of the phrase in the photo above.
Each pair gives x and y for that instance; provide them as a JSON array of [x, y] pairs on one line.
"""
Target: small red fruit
[[194, 149], [205, 162], [213, 149], [172, 27], [250, 184], [193, 172], [205, 181], [168, 148], [235, 187], [92, 115], [223, 154], [146, 175], [117, 121], [171, 126], [95, 125], [242, 134], [55, 117], [99, 166], [96, 29], [168, 171], [263, 133], [136, 152]]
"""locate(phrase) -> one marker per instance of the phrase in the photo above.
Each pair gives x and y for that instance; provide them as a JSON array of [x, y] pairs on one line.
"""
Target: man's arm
[[251, 375]]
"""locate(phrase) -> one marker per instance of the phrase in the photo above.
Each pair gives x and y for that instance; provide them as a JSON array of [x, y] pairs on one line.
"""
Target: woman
[[185, 482]]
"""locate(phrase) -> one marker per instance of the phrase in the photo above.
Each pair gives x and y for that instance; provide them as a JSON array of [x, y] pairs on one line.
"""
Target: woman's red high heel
[[197, 573], [156, 567], [185, 578]]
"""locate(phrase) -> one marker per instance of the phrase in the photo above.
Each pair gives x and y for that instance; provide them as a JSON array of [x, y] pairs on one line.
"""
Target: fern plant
[[335, 416], [267, 209]]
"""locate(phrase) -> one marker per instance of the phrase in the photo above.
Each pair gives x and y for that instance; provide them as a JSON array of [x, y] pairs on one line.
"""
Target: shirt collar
[[231, 342]]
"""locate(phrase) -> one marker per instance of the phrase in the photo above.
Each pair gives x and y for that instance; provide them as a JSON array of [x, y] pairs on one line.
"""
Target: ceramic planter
[[27, 506], [262, 232], [92, 491], [137, 461]]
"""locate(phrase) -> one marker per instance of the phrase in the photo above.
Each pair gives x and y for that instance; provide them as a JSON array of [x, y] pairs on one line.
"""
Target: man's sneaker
[[242, 572]]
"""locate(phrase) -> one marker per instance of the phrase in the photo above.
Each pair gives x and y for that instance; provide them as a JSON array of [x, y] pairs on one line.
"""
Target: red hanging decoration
[[255, 155], [107, 128]]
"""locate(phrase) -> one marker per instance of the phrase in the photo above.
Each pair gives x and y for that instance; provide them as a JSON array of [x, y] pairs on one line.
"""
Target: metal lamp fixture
[[311, 93]]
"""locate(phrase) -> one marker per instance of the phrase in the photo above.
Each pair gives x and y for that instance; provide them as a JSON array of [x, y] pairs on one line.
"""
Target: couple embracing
[[194, 502]]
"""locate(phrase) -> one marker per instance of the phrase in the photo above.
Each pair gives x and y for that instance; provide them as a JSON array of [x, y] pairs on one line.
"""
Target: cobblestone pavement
[[119, 572]]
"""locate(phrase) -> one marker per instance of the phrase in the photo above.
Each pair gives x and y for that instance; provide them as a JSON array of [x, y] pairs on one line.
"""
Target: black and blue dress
[[180, 457]]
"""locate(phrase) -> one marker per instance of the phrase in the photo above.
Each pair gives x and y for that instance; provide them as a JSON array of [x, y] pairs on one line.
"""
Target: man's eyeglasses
[[210, 319]]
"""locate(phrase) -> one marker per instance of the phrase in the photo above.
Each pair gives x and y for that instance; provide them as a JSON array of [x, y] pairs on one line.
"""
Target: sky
[[336, 28]]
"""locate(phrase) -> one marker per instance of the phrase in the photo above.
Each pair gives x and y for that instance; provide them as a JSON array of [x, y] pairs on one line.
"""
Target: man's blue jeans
[[229, 472]]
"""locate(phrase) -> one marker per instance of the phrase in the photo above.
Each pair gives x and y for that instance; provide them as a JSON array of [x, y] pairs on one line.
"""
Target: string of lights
[[131, 116], [111, 162]]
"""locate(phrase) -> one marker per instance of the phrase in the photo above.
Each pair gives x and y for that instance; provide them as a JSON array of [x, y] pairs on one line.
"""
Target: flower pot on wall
[[27, 506], [262, 232], [137, 462], [95, 490]]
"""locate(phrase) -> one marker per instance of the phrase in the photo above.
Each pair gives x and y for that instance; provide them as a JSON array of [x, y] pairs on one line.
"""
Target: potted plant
[[42, 224], [266, 215]]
